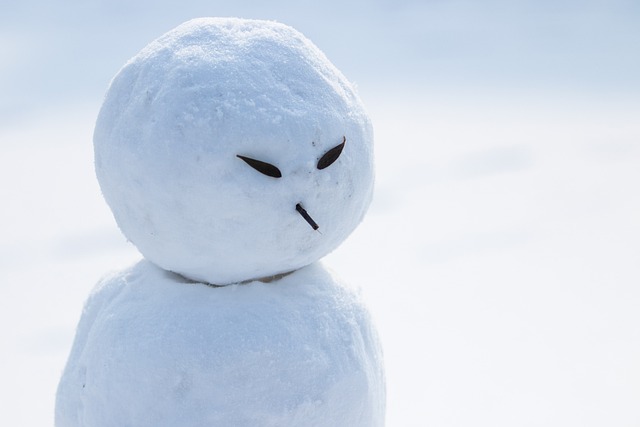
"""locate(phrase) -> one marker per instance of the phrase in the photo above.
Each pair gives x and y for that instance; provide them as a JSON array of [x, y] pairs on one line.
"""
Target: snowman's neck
[[266, 279]]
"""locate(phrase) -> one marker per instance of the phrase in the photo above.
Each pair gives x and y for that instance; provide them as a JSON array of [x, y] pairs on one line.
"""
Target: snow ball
[[209, 144], [153, 350]]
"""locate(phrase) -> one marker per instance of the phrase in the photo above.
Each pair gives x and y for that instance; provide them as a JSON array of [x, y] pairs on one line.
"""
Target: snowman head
[[231, 150]]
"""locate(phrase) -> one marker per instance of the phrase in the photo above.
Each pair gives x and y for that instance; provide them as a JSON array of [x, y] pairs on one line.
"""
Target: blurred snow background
[[501, 256]]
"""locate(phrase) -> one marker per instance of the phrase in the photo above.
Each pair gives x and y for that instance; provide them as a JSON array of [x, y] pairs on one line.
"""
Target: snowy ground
[[501, 257]]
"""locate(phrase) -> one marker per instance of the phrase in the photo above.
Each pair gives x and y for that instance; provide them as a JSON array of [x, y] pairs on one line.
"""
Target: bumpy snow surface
[[178, 115], [153, 349], [229, 151]]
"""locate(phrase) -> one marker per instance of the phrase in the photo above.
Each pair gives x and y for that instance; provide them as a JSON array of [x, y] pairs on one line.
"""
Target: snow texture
[[187, 337], [178, 114], [153, 349]]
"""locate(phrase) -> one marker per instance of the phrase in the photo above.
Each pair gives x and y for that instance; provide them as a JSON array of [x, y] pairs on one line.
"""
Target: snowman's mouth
[[306, 216]]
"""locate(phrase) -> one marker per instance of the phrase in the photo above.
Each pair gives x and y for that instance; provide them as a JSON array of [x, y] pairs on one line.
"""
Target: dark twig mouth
[[306, 216]]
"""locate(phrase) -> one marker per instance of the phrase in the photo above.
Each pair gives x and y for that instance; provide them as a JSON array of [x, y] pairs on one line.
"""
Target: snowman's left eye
[[332, 155], [262, 167]]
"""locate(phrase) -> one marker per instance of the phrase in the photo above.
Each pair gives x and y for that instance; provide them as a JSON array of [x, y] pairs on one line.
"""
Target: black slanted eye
[[332, 155], [262, 167]]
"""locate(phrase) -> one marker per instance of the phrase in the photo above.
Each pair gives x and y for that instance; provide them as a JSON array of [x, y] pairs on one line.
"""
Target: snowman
[[234, 156]]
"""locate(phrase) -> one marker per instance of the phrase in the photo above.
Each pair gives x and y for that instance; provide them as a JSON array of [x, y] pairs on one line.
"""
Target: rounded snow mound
[[155, 350], [231, 149]]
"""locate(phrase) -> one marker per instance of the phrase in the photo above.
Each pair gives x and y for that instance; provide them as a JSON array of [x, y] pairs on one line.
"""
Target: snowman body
[[234, 156], [155, 350]]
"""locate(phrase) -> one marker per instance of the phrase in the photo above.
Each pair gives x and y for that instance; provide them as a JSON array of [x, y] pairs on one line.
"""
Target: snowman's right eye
[[262, 167]]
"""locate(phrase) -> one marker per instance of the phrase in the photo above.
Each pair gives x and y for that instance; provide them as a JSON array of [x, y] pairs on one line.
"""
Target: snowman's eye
[[262, 167], [332, 155]]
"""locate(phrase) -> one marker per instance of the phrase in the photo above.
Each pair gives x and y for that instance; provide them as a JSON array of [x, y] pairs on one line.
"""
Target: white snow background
[[501, 255]]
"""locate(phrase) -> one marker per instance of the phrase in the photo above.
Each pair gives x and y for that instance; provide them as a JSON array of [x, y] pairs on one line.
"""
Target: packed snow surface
[[234, 156], [178, 115], [153, 349]]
